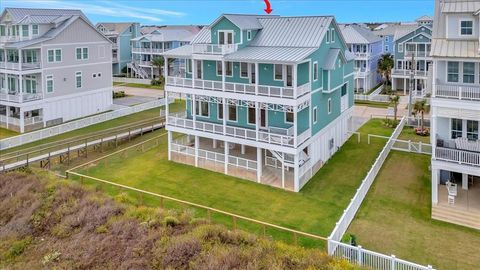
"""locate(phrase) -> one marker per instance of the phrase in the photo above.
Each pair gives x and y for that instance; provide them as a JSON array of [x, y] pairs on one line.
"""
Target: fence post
[[420, 147], [393, 260], [409, 145], [359, 255], [368, 138], [429, 267]]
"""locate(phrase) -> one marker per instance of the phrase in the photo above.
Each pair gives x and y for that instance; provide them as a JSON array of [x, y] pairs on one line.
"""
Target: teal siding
[[245, 41], [409, 38], [302, 74], [266, 75], [302, 117], [225, 24], [210, 71]]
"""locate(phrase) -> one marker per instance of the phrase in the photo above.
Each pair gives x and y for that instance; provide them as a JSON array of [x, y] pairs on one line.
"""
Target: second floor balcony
[[214, 49], [460, 151], [459, 92], [407, 72], [147, 50], [19, 66], [19, 97]]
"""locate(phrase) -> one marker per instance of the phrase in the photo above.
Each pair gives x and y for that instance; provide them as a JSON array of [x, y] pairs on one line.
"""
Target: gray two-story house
[[55, 66]]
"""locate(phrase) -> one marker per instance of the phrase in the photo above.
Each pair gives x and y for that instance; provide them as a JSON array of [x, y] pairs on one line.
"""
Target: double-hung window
[[35, 29], [249, 35], [78, 79], [329, 106], [468, 72], [289, 117], [232, 112], [278, 72], [82, 53], [314, 115], [457, 127], [228, 68], [332, 35], [244, 70], [400, 47], [251, 116], [54, 55], [49, 82], [452, 71], [2, 30], [25, 30], [219, 68], [315, 71], [472, 130], [466, 28], [220, 110]]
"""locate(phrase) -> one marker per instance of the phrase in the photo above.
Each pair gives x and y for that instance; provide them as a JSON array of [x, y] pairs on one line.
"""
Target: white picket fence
[[369, 259], [412, 147], [131, 80], [374, 96], [76, 124]]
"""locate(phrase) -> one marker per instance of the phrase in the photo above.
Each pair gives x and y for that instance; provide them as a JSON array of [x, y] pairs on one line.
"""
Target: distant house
[[55, 66], [147, 47], [268, 98], [367, 48], [120, 35]]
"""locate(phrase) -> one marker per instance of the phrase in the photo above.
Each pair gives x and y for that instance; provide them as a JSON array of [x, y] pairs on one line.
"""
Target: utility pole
[[413, 67]]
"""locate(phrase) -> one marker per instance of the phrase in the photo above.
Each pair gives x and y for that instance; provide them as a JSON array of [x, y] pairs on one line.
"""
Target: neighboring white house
[[455, 113], [54, 67]]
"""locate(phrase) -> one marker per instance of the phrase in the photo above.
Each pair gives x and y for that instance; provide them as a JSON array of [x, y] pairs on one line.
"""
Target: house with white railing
[[367, 48], [412, 42], [268, 98], [455, 113], [55, 66], [147, 47]]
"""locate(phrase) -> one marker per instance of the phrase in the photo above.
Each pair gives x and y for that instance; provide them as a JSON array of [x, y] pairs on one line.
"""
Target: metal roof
[[167, 35], [115, 28], [403, 32], [19, 14], [390, 29], [355, 34], [460, 6], [180, 52], [270, 54], [455, 48], [424, 18], [243, 21], [203, 36], [331, 59], [292, 31]]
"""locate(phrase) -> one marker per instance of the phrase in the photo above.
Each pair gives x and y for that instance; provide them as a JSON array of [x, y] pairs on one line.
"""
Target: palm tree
[[158, 62], [384, 67], [421, 107], [394, 100]]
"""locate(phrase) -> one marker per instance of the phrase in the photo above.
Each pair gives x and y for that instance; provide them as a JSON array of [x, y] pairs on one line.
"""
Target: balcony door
[[225, 37], [263, 118], [252, 73], [289, 71]]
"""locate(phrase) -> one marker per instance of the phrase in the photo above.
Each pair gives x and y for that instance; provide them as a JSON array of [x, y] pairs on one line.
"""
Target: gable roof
[[356, 34], [403, 32], [161, 35], [391, 29], [40, 15], [243, 21], [115, 28], [460, 6], [424, 18]]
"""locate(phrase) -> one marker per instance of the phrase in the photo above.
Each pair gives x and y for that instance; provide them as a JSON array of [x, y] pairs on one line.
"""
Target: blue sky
[[204, 12]]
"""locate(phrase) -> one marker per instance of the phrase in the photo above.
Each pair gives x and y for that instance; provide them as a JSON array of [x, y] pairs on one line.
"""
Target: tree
[[384, 67], [421, 107], [158, 62], [394, 100]]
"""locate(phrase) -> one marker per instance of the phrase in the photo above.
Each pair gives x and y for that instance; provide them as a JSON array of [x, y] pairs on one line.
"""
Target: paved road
[[142, 92], [132, 100]]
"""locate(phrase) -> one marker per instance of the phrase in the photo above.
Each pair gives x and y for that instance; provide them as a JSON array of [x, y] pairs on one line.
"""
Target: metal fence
[[76, 124]]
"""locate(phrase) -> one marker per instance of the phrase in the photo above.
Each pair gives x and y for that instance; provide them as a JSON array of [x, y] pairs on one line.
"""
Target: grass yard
[[129, 119], [5, 133], [139, 85], [408, 133], [395, 218], [315, 209], [374, 104]]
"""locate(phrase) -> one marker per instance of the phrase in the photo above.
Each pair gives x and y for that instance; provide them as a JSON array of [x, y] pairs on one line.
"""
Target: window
[[34, 29], [220, 110], [244, 70], [189, 66], [278, 73], [329, 106], [82, 53], [232, 113], [456, 128], [49, 81], [2, 30], [466, 28], [468, 72], [314, 115], [78, 79], [249, 35], [199, 69], [328, 36], [251, 116], [219, 68], [452, 75], [386, 48], [387, 39], [99, 74], [472, 130], [54, 55], [344, 89], [204, 110], [315, 71], [288, 117], [229, 68], [333, 35], [400, 47], [25, 30], [94, 75]]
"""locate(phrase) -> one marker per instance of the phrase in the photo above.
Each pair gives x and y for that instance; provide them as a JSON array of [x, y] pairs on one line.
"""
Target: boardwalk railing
[[76, 124]]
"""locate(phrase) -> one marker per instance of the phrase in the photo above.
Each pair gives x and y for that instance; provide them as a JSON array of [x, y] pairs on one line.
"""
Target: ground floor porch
[[20, 120], [402, 83]]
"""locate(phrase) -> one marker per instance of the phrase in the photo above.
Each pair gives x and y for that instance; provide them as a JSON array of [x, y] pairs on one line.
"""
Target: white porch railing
[[362, 54], [16, 65], [33, 120], [242, 163], [457, 92], [371, 259], [18, 98], [241, 88], [141, 50], [458, 156], [178, 120], [406, 72], [215, 49]]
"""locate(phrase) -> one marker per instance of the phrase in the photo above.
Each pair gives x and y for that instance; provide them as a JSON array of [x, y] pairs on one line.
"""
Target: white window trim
[[248, 73], [226, 75], [216, 68], [220, 105], [81, 49], [228, 113], [285, 118], [81, 79], [249, 35], [38, 30], [460, 27], [315, 74], [400, 47], [254, 117], [274, 73], [314, 115], [226, 36], [55, 55], [188, 64], [49, 78], [329, 106], [332, 35]]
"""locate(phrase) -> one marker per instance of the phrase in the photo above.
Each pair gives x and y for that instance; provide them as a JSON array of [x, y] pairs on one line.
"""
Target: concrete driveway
[[142, 92]]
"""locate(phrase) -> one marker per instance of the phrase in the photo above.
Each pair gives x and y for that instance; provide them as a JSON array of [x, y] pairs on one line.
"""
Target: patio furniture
[[466, 144], [451, 199], [452, 189]]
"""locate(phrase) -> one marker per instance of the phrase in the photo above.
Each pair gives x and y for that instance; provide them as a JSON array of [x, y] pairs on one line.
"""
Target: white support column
[[283, 175], [404, 86], [259, 165], [165, 67], [167, 111], [214, 144], [194, 72], [257, 119], [20, 86], [194, 110], [7, 114], [169, 134], [295, 126], [242, 149], [257, 76], [435, 180], [225, 115], [296, 176], [434, 78], [464, 181], [295, 81], [223, 75], [22, 120], [197, 142], [226, 150]]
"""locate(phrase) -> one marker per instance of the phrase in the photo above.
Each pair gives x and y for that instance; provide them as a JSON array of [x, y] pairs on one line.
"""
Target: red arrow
[[269, 9]]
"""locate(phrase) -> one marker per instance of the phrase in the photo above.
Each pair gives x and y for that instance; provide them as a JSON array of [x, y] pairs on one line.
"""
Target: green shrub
[[18, 247], [171, 221], [119, 94]]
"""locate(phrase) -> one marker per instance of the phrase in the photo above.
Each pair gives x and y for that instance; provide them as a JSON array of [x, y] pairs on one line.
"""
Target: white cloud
[[105, 8]]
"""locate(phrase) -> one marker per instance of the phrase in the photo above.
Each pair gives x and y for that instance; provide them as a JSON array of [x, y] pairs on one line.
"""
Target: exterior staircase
[[469, 219], [269, 177], [138, 70]]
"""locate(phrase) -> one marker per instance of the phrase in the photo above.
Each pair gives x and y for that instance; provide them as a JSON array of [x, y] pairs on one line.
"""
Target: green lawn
[[5, 133], [374, 104], [408, 133], [129, 119], [395, 218], [139, 85], [315, 209]]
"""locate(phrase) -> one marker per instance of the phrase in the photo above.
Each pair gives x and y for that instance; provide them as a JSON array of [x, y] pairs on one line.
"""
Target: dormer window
[[466, 28], [249, 35], [35, 29], [2, 30], [225, 37], [25, 30]]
